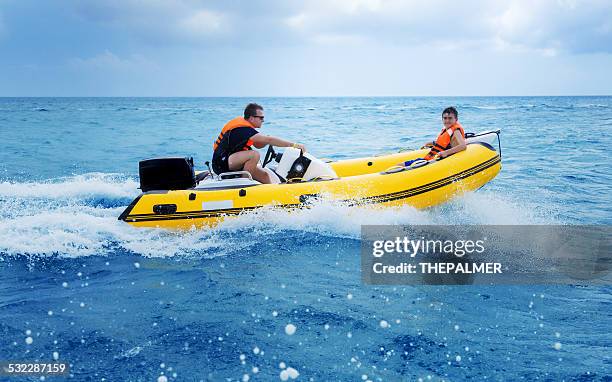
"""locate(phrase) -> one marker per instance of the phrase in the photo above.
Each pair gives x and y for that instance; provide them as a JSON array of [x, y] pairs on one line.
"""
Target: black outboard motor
[[299, 167], [166, 174]]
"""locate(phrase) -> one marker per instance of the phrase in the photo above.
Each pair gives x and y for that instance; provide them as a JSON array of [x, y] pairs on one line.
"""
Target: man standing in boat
[[233, 148]]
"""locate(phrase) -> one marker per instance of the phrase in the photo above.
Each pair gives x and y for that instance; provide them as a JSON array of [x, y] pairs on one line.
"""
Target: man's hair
[[451, 110], [251, 110]]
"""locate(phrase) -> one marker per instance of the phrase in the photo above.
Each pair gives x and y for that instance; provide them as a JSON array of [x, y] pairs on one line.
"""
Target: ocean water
[[126, 304]]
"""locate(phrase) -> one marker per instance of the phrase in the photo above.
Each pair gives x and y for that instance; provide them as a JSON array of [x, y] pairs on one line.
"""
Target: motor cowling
[[294, 164], [166, 174]]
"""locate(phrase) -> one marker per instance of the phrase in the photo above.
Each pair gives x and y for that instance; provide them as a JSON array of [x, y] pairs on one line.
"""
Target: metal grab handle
[[472, 135], [496, 132]]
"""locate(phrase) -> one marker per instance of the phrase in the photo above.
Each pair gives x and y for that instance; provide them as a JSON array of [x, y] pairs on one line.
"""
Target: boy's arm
[[458, 144]]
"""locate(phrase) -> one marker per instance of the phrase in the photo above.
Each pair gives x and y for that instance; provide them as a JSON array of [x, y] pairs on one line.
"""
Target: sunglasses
[[259, 116]]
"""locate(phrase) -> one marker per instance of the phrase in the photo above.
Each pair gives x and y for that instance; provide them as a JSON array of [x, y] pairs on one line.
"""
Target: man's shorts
[[219, 164]]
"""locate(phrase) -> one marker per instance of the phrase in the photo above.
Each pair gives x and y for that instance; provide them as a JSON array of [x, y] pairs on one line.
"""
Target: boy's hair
[[451, 110]]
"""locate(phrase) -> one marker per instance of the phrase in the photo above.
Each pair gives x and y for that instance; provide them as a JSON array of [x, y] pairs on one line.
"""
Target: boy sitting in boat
[[451, 139], [233, 148]]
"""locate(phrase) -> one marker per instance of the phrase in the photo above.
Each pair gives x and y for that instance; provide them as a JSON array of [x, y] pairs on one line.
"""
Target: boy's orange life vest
[[443, 142]]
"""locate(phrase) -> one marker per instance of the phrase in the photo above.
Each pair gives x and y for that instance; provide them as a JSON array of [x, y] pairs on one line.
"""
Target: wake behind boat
[[176, 196]]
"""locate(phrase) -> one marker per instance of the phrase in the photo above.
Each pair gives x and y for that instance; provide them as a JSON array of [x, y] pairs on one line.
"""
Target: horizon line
[[317, 96]]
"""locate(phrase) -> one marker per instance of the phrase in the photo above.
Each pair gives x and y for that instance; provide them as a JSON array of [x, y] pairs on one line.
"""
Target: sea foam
[[67, 218]]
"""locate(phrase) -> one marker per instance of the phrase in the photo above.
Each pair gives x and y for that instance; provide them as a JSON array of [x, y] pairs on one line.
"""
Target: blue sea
[[124, 304]]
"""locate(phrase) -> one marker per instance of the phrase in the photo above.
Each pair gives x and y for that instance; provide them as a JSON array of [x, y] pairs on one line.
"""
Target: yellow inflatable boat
[[176, 196]]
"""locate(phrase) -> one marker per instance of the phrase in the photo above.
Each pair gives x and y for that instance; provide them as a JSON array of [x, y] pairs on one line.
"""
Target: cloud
[[203, 23], [156, 21], [315, 47], [391, 21], [108, 61], [340, 39], [576, 27], [545, 26]]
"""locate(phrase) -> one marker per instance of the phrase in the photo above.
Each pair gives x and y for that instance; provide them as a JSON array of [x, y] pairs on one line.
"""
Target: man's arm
[[261, 140], [458, 144]]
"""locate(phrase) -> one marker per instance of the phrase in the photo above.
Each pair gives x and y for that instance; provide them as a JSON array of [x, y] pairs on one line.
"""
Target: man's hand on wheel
[[300, 146]]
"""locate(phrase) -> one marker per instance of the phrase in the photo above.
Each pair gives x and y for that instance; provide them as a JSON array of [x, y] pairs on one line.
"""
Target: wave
[[160, 108], [592, 106], [490, 107], [366, 107], [85, 185], [532, 106], [501, 107], [64, 218]]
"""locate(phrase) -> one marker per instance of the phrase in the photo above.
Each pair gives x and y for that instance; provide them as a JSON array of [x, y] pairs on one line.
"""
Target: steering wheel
[[270, 154]]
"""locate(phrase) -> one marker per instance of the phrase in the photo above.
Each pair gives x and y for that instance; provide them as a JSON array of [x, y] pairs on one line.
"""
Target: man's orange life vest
[[231, 125], [443, 142]]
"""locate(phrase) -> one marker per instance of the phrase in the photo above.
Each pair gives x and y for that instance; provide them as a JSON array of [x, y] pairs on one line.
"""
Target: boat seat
[[232, 179], [235, 175], [211, 183]]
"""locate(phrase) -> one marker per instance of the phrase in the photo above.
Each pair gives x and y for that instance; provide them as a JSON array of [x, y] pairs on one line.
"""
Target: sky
[[305, 48]]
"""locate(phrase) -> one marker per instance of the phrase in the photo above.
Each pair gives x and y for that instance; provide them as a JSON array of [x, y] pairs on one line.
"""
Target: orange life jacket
[[443, 142], [231, 125]]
